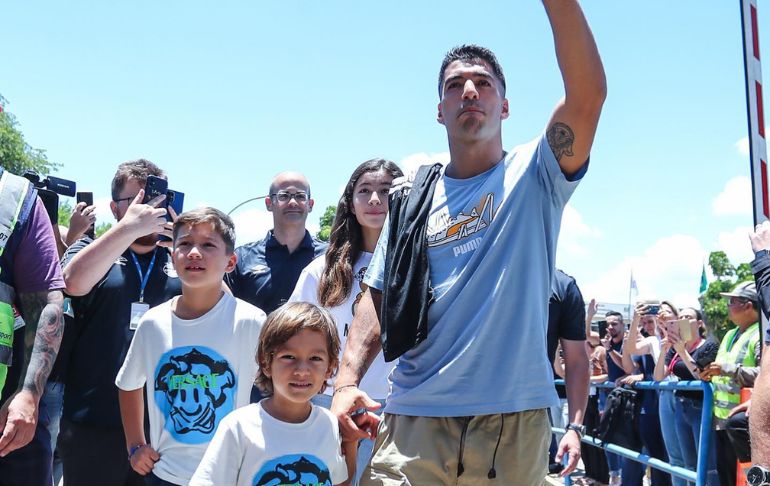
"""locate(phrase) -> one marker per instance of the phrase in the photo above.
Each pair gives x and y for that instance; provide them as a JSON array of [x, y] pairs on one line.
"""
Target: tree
[[101, 228], [65, 211], [714, 305], [720, 265], [326, 223], [16, 155]]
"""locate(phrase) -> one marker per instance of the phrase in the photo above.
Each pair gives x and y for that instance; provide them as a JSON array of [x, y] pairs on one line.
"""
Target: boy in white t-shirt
[[284, 439], [194, 353]]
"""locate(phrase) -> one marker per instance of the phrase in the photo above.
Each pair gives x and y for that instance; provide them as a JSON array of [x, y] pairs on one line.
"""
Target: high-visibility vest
[[14, 192], [727, 391]]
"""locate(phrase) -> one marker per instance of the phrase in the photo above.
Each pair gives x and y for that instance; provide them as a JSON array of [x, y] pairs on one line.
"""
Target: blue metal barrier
[[700, 474]]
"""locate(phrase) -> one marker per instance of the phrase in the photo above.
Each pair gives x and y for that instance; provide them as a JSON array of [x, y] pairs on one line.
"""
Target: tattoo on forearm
[[362, 346], [44, 326], [560, 138]]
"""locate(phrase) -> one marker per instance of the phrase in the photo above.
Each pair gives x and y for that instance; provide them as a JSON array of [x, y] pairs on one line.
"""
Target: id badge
[[137, 311]]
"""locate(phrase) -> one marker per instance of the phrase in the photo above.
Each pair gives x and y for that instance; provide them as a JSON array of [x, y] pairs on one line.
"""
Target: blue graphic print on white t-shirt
[[294, 469], [194, 389]]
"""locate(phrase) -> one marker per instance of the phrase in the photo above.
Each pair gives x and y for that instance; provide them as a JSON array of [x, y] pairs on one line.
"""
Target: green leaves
[[714, 305], [16, 155], [326, 223]]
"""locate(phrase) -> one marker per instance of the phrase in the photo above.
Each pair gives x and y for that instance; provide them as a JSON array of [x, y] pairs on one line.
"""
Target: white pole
[[755, 111]]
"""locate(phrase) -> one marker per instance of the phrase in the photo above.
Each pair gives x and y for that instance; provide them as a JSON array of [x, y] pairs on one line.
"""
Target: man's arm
[[573, 124], [94, 261], [361, 348], [42, 313], [591, 336], [759, 419], [576, 381]]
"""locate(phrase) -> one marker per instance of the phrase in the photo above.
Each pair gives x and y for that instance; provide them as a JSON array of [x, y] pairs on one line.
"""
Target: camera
[[49, 188]]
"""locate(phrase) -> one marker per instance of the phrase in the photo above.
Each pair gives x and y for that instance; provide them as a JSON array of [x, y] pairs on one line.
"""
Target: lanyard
[[144, 277]]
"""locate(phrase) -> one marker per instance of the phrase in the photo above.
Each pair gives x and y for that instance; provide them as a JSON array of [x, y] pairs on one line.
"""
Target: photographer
[[82, 219], [684, 357], [613, 344], [111, 281], [641, 352]]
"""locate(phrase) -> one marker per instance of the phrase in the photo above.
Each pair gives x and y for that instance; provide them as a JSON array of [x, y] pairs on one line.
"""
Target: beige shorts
[[427, 451]]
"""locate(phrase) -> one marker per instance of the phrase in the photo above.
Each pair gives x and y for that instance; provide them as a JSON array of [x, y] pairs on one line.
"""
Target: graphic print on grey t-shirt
[[194, 388], [444, 228]]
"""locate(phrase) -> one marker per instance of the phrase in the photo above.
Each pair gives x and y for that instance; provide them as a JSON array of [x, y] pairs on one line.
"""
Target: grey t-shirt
[[492, 244]]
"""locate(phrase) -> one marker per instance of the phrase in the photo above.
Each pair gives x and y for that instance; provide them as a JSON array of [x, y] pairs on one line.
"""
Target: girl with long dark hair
[[335, 281]]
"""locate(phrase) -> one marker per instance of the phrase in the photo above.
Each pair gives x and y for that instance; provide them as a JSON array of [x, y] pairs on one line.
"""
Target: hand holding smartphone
[[88, 199], [155, 186]]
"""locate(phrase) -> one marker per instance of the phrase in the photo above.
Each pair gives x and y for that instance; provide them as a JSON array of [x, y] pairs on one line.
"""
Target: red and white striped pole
[[755, 110]]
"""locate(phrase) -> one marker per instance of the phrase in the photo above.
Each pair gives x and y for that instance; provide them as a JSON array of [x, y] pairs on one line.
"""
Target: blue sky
[[223, 96]]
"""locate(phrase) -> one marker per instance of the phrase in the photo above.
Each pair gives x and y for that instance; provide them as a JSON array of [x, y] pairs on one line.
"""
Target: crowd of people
[[403, 352], [665, 343]]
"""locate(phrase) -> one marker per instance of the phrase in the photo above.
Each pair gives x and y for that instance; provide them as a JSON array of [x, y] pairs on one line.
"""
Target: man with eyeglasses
[[736, 366], [111, 281], [268, 270]]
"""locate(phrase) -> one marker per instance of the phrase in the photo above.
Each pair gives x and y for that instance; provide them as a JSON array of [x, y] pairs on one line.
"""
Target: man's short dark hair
[[137, 170], [470, 53], [614, 313]]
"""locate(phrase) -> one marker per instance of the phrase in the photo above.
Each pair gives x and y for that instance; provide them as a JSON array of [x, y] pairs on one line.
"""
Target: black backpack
[[618, 422]]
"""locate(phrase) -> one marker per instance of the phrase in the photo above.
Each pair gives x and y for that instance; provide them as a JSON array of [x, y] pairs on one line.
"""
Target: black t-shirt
[[613, 370], [648, 398], [704, 355], [102, 322], [267, 273], [566, 316]]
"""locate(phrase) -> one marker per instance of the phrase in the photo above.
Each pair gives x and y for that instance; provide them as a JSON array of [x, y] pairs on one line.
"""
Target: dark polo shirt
[[266, 272]]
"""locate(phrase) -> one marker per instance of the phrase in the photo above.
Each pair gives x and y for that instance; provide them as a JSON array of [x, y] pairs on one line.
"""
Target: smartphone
[[88, 198], [155, 187], [602, 325], [652, 310], [685, 330], [175, 202]]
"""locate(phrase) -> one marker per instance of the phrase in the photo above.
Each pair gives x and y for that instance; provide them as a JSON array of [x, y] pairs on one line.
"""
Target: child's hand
[[144, 459]]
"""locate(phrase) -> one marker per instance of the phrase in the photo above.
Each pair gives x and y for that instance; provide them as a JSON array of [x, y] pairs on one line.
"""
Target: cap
[[744, 290]]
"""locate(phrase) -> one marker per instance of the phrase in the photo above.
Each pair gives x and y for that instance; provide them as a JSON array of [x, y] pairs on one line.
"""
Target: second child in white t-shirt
[[194, 353], [284, 439]]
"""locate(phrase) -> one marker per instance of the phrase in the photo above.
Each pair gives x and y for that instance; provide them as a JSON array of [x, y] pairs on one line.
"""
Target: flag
[[632, 286], [704, 283]]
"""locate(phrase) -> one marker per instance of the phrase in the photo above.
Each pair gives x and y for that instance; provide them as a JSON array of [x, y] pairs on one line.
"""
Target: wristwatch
[[760, 253], [758, 476], [579, 429]]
